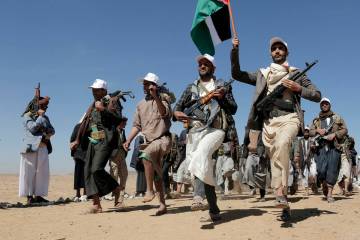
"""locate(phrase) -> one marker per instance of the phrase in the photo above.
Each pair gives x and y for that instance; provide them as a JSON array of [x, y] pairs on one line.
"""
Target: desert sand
[[243, 217]]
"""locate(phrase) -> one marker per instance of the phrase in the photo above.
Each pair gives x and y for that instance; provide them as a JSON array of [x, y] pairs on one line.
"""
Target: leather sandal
[[148, 198]]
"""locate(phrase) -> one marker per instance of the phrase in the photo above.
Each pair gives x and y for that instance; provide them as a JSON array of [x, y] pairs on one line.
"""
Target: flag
[[211, 25]]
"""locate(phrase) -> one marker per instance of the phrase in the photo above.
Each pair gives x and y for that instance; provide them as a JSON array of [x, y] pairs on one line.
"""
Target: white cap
[[207, 57], [151, 77], [99, 83], [324, 99], [278, 40]]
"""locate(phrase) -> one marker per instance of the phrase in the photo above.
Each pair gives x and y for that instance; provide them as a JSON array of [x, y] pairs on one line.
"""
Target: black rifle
[[263, 105], [120, 94]]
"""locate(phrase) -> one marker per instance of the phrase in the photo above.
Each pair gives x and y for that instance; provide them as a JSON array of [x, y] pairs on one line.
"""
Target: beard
[[279, 59], [207, 74]]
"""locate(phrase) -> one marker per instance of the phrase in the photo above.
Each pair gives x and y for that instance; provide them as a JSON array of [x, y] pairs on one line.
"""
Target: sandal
[[330, 199], [198, 206], [119, 205], [148, 198], [210, 218]]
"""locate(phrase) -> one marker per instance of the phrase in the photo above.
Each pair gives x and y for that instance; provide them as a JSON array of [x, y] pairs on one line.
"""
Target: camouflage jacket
[[339, 128]]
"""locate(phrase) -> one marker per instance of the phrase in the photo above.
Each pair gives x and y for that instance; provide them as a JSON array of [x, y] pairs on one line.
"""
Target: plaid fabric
[[228, 104]]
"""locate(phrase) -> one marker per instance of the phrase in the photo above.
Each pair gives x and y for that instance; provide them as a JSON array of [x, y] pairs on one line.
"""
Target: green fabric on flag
[[200, 33]]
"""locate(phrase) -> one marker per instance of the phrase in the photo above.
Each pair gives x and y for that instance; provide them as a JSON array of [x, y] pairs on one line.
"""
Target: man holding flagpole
[[283, 118]]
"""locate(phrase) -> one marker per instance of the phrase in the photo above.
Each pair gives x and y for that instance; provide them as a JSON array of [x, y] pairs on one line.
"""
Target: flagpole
[[232, 21]]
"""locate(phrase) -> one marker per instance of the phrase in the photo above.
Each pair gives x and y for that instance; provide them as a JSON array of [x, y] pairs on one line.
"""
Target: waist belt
[[283, 105], [98, 135], [277, 112]]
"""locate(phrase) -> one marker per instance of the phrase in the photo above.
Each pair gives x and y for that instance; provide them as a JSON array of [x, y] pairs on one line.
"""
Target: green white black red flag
[[211, 25]]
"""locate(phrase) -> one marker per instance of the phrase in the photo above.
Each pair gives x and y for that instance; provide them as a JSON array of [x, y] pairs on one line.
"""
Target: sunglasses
[[280, 47]]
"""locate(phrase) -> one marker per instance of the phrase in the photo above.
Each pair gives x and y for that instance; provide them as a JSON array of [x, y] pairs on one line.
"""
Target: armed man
[[210, 122], [153, 119], [99, 125], [281, 119], [34, 165], [329, 131]]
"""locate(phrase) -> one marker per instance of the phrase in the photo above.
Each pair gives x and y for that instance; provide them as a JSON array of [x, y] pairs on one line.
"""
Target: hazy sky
[[66, 44]]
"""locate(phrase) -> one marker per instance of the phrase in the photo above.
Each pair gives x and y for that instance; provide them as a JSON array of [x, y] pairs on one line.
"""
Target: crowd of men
[[207, 155]]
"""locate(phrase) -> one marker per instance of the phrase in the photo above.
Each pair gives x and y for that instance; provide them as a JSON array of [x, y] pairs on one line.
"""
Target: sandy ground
[[243, 218]]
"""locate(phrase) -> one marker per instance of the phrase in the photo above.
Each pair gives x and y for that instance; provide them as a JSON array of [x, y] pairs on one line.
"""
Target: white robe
[[34, 173], [199, 150], [201, 145]]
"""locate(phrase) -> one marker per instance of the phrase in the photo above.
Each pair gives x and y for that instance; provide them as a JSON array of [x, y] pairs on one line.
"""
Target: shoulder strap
[[84, 124], [203, 87]]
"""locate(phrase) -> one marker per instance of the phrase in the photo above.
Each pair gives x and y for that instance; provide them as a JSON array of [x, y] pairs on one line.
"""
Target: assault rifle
[[318, 138], [120, 94], [163, 91], [111, 101], [195, 109], [263, 105]]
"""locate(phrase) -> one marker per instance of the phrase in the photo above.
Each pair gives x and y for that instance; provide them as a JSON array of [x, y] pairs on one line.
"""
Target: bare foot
[[120, 205], [95, 209], [119, 199], [175, 195], [161, 210]]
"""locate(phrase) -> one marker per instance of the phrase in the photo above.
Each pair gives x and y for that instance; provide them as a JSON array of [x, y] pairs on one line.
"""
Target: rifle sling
[[84, 124], [203, 88]]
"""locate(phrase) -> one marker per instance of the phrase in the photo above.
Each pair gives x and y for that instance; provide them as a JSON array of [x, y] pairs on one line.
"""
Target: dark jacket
[[80, 151], [309, 90], [228, 104]]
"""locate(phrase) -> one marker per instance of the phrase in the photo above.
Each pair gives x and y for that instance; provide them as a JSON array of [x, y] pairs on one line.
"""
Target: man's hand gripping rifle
[[112, 100], [265, 105], [195, 110], [113, 104], [319, 138]]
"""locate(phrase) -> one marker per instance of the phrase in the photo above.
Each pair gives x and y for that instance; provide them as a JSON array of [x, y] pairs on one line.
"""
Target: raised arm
[[236, 72]]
